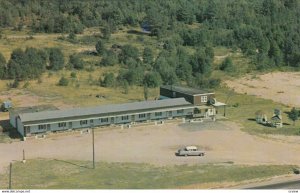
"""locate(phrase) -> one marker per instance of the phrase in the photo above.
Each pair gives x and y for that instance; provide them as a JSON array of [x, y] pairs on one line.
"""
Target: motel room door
[[70, 125], [26, 130], [169, 114], [112, 120]]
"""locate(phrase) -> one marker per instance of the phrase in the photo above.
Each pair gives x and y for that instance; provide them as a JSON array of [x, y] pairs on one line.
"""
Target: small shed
[[276, 121], [261, 117], [6, 105]]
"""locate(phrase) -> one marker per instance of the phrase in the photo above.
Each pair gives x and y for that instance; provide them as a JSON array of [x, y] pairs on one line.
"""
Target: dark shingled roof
[[105, 109], [185, 90], [32, 109]]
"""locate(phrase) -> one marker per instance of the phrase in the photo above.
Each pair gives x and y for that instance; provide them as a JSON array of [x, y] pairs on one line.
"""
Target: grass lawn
[[242, 107], [55, 174], [82, 90]]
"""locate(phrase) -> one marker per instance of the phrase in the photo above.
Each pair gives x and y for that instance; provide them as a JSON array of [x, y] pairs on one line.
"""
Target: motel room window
[[158, 114], [104, 120], [203, 99], [27, 129], [63, 124], [142, 115], [42, 127], [124, 117], [180, 111], [83, 122]]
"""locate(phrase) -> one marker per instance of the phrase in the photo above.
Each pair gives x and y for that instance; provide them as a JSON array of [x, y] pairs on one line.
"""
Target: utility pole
[[93, 147], [10, 169], [24, 160]]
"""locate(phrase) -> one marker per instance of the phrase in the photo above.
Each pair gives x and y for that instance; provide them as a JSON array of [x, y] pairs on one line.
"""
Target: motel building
[[174, 102]]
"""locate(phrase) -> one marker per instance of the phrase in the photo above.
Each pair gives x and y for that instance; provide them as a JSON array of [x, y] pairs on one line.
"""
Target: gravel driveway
[[222, 141]]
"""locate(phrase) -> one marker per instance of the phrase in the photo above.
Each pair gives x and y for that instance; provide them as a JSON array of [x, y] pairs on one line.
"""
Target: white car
[[189, 151]]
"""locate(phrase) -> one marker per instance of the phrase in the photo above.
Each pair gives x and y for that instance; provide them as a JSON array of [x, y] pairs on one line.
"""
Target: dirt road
[[223, 142], [280, 87]]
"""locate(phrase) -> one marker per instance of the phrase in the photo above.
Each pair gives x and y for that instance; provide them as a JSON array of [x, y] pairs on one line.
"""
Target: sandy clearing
[[223, 141], [282, 87], [22, 98]]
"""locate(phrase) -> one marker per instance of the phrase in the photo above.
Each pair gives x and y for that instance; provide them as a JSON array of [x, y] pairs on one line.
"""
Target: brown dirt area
[[282, 87], [223, 142]]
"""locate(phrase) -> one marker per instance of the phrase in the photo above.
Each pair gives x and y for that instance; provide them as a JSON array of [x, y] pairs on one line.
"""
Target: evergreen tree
[[227, 65], [56, 59], [76, 62], [128, 51], [63, 81], [293, 115], [146, 92], [148, 56], [109, 59], [152, 80], [109, 80], [2, 66], [100, 48]]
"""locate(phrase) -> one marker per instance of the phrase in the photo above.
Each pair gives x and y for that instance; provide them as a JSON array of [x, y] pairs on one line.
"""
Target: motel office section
[[59, 120], [201, 99]]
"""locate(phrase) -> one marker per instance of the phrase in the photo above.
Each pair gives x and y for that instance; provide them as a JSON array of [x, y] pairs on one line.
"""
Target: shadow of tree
[[7, 127]]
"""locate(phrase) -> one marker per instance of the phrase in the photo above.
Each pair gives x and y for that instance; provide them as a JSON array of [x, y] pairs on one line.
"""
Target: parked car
[[189, 151]]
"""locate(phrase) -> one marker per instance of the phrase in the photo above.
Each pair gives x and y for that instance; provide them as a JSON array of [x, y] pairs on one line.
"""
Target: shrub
[[227, 65], [100, 47], [109, 59], [26, 85], [63, 81], [108, 81], [76, 62], [73, 75]]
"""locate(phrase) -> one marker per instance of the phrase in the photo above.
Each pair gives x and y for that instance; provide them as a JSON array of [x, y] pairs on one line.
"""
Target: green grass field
[[242, 107], [58, 174]]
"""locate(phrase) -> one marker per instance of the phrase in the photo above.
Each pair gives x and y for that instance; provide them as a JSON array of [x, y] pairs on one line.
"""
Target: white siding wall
[[12, 119], [20, 127], [117, 120]]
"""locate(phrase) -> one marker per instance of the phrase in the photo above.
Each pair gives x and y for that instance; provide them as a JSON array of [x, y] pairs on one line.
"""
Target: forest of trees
[[266, 31]]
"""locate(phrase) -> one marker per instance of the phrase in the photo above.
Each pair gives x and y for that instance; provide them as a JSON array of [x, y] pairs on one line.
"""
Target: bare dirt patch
[[157, 145], [23, 98], [282, 87]]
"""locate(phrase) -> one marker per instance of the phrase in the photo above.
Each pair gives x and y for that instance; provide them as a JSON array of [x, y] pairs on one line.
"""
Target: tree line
[[267, 31], [172, 65], [32, 62]]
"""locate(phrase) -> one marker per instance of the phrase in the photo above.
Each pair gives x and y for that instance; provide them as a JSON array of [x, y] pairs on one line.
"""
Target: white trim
[[204, 99], [203, 94], [219, 104]]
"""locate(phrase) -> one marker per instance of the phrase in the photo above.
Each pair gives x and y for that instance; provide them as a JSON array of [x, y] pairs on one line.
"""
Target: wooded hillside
[[267, 31]]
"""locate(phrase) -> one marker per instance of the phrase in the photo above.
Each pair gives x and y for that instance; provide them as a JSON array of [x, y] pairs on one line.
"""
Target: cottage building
[[261, 117], [276, 120]]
